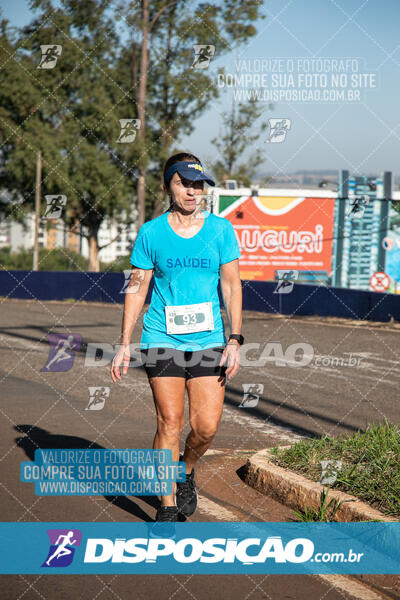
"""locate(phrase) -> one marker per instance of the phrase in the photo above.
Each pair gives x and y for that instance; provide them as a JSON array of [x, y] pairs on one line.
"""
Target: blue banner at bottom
[[211, 548]]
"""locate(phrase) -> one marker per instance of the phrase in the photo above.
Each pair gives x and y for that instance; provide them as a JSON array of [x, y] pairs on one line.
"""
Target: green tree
[[240, 131], [59, 259], [70, 113], [173, 93], [395, 220]]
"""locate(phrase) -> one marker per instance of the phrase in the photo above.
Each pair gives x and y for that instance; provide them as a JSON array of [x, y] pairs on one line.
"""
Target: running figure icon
[[62, 549], [61, 356]]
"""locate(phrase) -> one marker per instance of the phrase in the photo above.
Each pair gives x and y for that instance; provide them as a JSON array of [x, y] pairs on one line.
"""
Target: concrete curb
[[297, 491]]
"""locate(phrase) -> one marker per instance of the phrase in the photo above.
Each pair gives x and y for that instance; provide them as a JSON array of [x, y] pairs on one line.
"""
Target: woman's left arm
[[231, 288]]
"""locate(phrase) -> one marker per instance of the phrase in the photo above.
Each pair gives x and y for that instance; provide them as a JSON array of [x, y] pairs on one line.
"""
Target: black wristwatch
[[238, 337]]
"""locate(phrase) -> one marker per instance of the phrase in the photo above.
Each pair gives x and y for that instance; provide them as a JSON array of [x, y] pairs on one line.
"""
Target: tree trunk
[[141, 108], [94, 264], [168, 134], [134, 70], [141, 194], [158, 206]]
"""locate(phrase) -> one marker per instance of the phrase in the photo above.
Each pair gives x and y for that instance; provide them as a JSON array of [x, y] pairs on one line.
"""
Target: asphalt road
[[343, 376]]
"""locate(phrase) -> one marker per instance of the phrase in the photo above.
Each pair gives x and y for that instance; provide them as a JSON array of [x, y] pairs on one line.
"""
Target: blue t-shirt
[[186, 271]]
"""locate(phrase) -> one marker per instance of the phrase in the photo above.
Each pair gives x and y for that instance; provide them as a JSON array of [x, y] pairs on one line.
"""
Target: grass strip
[[370, 463]]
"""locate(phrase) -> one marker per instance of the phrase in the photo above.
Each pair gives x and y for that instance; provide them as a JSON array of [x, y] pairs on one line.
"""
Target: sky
[[361, 136]]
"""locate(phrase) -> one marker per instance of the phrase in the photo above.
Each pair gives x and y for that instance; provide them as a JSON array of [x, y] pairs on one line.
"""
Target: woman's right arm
[[135, 297]]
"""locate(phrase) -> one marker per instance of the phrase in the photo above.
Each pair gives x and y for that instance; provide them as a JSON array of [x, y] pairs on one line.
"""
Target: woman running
[[183, 343]]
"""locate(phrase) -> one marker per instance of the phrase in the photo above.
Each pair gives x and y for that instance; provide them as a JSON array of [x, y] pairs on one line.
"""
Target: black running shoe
[[164, 525], [186, 494]]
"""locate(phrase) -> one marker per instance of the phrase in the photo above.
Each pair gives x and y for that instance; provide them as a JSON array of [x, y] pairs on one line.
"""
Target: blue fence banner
[[191, 548], [93, 472], [305, 299]]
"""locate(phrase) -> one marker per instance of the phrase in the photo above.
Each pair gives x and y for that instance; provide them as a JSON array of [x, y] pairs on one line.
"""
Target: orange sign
[[276, 232]]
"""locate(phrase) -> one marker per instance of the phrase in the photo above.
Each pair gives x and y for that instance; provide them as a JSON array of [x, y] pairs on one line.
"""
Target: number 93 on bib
[[189, 318]]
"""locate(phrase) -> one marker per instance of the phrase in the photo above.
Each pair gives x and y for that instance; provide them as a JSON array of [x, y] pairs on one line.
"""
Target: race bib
[[189, 318]]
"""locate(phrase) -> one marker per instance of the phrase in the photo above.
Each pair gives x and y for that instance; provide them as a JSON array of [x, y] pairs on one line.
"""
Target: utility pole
[[37, 212]]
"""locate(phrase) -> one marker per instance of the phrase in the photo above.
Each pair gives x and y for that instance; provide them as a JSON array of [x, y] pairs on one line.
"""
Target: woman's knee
[[205, 432], [170, 425]]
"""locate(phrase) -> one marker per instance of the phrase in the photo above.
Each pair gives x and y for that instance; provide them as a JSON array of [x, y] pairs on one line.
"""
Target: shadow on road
[[38, 438], [264, 404]]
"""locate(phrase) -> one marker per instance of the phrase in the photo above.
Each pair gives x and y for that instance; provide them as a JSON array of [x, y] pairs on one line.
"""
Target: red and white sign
[[379, 281], [282, 233]]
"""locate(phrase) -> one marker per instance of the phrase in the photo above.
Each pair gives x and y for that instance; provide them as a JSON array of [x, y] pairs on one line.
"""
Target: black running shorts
[[169, 362]]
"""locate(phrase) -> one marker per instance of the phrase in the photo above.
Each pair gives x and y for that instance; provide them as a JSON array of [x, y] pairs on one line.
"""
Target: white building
[[117, 239]]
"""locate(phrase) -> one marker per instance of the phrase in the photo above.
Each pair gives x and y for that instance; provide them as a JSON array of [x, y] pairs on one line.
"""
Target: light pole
[[37, 212]]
